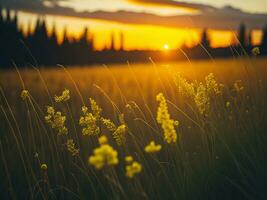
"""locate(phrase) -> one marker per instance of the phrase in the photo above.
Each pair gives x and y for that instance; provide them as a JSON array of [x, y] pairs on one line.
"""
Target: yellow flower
[[84, 109], [133, 169], [104, 155], [65, 96], [108, 124], [102, 139], [184, 87], [256, 51], [129, 159], [163, 118], [202, 99], [96, 110], [212, 86], [71, 147], [56, 121], [25, 94], [238, 86], [119, 134], [50, 110], [89, 120], [44, 167], [89, 124], [228, 104], [152, 147]]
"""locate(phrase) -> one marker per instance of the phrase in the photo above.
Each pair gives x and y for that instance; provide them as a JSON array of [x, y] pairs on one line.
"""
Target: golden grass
[[219, 153]]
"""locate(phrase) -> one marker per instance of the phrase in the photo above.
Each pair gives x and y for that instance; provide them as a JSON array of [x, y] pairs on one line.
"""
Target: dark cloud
[[215, 18]]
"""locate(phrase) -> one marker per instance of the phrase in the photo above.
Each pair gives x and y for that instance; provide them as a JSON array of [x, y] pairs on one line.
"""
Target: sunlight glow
[[136, 37], [166, 47]]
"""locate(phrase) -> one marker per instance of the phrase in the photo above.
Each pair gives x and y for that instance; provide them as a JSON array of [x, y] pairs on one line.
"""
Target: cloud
[[178, 4], [215, 18]]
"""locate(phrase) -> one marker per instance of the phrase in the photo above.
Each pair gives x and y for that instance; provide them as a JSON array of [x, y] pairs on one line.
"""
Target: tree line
[[37, 47]]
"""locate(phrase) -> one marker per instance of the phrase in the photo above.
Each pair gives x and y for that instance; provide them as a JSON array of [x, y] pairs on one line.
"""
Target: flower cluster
[[96, 110], [202, 99], [133, 167], [200, 93], [56, 120], [44, 166], [104, 155], [25, 94], [119, 134], [163, 118], [184, 87], [212, 86], [65, 96], [238, 86], [71, 147], [256, 51], [89, 123], [152, 147], [108, 124]]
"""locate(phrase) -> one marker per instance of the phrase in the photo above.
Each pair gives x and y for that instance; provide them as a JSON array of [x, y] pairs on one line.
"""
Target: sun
[[166, 47]]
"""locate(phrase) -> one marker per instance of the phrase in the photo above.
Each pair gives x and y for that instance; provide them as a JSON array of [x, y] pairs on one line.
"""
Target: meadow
[[186, 130]]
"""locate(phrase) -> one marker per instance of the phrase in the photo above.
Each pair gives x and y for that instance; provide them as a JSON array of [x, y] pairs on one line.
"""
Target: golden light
[[166, 47]]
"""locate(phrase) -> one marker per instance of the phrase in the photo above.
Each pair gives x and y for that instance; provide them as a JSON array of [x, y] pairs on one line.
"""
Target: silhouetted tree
[[264, 40], [121, 41], [205, 42], [250, 39], [242, 35], [112, 42], [40, 48]]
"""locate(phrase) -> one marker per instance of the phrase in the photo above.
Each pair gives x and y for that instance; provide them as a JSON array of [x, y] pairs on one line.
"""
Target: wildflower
[[211, 84], [238, 86], [104, 155], [152, 147], [108, 124], [96, 110], [129, 159], [119, 134], [202, 99], [44, 167], [256, 51], [89, 123], [184, 87], [84, 109], [65, 96], [228, 104], [133, 169], [89, 120], [25, 94], [56, 121], [50, 110], [102, 140], [163, 118], [71, 147]]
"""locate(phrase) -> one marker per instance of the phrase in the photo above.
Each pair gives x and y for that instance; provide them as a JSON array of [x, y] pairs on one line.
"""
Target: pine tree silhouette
[[242, 35], [205, 42], [264, 40]]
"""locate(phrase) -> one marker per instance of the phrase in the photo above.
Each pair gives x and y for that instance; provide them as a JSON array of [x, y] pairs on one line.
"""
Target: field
[[207, 119]]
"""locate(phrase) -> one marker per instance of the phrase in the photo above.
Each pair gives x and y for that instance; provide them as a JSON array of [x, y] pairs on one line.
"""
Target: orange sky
[[135, 36]]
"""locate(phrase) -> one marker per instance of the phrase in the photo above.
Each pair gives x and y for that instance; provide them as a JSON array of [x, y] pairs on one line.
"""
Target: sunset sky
[[146, 24]]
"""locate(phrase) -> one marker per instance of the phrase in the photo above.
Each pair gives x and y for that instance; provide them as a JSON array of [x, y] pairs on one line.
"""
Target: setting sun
[[166, 47]]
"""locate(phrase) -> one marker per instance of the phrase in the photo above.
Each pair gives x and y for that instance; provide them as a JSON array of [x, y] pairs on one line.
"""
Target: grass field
[[209, 130]]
